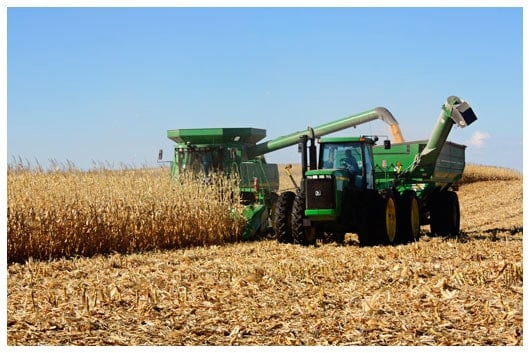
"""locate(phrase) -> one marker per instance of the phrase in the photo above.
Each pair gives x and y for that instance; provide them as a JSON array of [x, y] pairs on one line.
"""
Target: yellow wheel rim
[[390, 217]]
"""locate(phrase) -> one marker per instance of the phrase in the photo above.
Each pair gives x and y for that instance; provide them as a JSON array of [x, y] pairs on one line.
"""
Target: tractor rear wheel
[[301, 235], [408, 218], [368, 220], [445, 214], [282, 217]]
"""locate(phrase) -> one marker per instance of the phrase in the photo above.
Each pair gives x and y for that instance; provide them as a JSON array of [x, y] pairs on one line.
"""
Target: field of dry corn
[[69, 212], [156, 263]]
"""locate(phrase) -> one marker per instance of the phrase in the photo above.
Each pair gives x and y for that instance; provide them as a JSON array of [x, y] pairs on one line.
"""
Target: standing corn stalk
[[70, 212]]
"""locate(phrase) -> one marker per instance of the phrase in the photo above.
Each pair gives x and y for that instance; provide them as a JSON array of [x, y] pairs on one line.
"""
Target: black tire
[[387, 223], [282, 217], [408, 218], [367, 227], [445, 214], [301, 235], [454, 217]]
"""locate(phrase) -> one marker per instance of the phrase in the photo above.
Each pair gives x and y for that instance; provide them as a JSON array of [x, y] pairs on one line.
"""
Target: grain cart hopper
[[236, 150], [358, 187]]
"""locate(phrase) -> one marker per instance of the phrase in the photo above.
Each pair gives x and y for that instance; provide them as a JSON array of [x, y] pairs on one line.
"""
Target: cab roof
[[347, 139]]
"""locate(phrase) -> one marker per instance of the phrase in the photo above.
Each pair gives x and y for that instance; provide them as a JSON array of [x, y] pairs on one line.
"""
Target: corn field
[[68, 212]]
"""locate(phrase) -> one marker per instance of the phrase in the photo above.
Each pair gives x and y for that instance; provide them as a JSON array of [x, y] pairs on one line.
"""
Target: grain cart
[[236, 150], [382, 193]]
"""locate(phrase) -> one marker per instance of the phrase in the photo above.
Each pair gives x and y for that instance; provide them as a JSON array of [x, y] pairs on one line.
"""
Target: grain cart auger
[[382, 193], [236, 150]]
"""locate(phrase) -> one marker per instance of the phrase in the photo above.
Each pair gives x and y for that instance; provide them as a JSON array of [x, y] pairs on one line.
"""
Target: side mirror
[[160, 154], [387, 144]]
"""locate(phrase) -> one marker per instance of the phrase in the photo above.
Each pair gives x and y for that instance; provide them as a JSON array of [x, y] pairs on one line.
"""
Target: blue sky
[[105, 84]]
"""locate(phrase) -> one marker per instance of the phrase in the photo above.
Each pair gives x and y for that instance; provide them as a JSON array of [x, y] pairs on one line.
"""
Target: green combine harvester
[[236, 151]]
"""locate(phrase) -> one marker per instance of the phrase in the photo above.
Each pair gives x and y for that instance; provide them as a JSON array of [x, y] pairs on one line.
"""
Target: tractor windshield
[[342, 155], [355, 157]]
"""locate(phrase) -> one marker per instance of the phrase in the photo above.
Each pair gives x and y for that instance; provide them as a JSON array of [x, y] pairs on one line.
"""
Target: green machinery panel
[[217, 135], [446, 170]]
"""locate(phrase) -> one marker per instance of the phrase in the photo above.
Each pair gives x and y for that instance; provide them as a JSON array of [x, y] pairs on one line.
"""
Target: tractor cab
[[349, 158]]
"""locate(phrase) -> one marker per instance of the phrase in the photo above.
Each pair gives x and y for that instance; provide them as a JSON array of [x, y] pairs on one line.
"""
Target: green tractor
[[382, 193]]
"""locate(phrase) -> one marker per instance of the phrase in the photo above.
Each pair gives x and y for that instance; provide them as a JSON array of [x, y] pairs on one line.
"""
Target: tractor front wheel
[[301, 235]]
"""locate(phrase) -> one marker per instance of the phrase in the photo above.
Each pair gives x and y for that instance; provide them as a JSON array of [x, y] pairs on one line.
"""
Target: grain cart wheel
[[388, 222], [368, 220], [408, 218], [301, 235], [282, 217], [445, 214], [454, 214]]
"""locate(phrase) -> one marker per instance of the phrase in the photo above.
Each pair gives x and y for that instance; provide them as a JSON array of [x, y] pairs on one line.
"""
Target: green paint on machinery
[[237, 150], [382, 193]]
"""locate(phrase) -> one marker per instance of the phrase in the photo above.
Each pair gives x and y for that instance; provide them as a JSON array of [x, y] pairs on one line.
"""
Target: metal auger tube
[[328, 128]]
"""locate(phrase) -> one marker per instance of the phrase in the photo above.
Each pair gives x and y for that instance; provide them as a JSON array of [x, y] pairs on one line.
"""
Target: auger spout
[[454, 111]]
